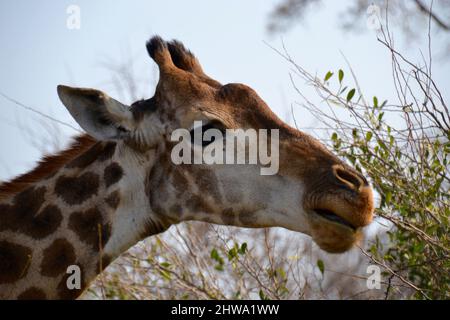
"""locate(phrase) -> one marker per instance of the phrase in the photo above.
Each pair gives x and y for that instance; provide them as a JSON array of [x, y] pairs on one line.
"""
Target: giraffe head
[[312, 192]]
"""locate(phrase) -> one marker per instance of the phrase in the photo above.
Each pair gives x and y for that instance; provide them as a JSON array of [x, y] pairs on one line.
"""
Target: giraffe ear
[[99, 115]]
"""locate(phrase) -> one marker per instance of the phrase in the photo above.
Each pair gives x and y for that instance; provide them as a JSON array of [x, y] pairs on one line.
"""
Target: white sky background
[[38, 52]]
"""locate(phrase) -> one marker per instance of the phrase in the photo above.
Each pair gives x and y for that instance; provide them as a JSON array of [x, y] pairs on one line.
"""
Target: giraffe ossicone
[[117, 184]]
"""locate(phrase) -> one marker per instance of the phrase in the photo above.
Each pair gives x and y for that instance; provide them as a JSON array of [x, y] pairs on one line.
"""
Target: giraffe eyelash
[[214, 124]]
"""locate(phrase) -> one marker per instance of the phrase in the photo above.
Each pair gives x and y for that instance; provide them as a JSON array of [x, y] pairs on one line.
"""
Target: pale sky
[[38, 52]]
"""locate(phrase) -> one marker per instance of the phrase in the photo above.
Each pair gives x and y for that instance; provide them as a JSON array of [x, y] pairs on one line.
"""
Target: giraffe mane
[[48, 165]]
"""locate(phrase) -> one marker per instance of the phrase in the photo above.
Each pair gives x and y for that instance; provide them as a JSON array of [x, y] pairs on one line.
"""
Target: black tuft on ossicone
[[155, 44], [181, 57]]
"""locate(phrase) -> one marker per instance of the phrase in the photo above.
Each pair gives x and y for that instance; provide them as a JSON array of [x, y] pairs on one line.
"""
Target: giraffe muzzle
[[338, 207]]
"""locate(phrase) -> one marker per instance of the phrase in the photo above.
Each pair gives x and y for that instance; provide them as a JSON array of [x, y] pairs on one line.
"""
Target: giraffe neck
[[85, 214]]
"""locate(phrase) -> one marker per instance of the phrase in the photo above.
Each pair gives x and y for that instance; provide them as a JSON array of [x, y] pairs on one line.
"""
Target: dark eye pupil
[[203, 129]]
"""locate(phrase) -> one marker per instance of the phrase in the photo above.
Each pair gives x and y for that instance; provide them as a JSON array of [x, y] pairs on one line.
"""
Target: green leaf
[[350, 95], [369, 135], [341, 75], [262, 295], [243, 248], [232, 253], [328, 75], [383, 145], [216, 256], [391, 140], [282, 273], [375, 102], [321, 266], [388, 197], [334, 136], [166, 275]]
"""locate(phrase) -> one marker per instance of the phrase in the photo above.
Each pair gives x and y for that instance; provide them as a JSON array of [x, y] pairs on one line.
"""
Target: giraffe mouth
[[331, 216]]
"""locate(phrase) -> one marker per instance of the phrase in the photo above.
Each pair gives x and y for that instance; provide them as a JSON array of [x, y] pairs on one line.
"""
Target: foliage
[[404, 147]]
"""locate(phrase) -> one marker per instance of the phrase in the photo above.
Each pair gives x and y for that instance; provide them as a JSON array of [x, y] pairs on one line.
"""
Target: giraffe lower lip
[[331, 216]]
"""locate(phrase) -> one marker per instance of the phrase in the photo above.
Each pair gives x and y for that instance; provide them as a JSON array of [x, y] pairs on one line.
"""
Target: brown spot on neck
[[113, 200], [76, 190], [20, 215], [28, 202], [24, 215], [108, 151], [86, 225], [14, 261], [57, 257], [113, 173], [101, 151], [43, 224]]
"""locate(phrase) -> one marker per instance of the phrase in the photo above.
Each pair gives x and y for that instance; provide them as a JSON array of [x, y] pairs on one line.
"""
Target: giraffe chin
[[332, 234]]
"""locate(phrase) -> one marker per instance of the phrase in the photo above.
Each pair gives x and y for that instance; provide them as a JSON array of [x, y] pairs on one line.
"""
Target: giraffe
[[116, 184]]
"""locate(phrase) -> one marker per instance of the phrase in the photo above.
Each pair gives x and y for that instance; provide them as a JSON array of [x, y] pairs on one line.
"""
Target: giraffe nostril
[[349, 178]]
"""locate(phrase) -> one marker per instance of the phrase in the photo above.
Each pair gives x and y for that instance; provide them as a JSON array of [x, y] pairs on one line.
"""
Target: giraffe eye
[[198, 137]]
